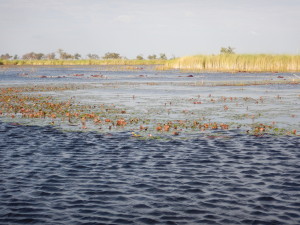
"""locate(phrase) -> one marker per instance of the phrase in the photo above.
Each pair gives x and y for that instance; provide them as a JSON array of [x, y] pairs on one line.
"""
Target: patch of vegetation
[[229, 62]]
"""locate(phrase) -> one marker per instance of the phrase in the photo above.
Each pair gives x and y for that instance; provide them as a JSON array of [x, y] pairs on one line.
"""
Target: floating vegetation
[[152, 103], [33, 103]]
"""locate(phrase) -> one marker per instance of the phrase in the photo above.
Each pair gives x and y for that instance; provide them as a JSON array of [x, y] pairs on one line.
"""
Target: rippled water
[[54, 177], [49, 176]]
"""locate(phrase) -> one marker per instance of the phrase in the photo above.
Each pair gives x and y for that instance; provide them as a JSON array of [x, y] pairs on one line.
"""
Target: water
[[42, 74], [53, 176], [164, 95]]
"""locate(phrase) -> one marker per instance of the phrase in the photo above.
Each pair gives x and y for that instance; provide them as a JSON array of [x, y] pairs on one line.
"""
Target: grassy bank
[[236, 63], [58, 62], [214, 63]]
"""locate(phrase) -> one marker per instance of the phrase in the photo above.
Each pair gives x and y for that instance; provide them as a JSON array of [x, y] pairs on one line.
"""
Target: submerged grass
[[236, 63]]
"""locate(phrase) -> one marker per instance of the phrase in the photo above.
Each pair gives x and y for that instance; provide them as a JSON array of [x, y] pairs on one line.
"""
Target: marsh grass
[[236, 63], [197, 63]]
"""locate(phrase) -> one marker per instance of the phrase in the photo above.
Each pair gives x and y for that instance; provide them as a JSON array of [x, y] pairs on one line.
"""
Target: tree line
[[61, 54]]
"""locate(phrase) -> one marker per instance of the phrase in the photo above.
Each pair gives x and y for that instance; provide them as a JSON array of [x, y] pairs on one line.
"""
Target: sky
[[132, 27]]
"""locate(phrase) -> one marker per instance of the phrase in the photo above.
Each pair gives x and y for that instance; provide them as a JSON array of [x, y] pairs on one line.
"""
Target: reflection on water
[[54, 177]]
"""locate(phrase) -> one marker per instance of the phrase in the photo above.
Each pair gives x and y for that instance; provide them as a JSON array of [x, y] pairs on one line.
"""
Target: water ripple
[[54, 177]]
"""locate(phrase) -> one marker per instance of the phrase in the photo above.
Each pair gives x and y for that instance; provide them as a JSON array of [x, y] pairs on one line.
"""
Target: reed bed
[[236, 63], [197, 63], [58, 62]]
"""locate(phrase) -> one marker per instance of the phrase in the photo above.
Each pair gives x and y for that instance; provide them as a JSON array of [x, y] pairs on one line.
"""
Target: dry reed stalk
[[237, 63]]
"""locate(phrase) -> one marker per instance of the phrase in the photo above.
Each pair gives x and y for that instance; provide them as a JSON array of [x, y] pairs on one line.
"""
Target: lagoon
[[198, 171]]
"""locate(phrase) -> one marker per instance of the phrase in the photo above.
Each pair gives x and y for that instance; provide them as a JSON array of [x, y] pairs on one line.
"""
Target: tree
[[33, 56], [152, 56], [64, 55], [27, 56], [111, 55], [39, 56], [50, 56], [139, 57], [5, 56], [163, 56], [228, 50], [92, 56], [61, 53], [77, 56]]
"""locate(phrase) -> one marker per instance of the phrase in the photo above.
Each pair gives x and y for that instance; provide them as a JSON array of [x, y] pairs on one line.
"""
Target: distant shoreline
[[60, 62], [197, 63]]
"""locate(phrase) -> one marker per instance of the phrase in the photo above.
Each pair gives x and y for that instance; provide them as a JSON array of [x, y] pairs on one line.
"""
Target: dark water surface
[[54, 177]]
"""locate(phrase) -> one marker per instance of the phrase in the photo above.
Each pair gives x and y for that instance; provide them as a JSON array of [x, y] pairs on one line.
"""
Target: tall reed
[[236, 63]]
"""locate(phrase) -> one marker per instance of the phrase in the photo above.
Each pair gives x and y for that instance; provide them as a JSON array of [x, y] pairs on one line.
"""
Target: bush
[[111, 55], [228, 50]]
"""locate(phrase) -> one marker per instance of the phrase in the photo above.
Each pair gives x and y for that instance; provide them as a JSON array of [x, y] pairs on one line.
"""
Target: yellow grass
[[236, 63], [214, 63]]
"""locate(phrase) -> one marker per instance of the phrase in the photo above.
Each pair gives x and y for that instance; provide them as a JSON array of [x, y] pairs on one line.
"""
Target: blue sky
[[132, 27]]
